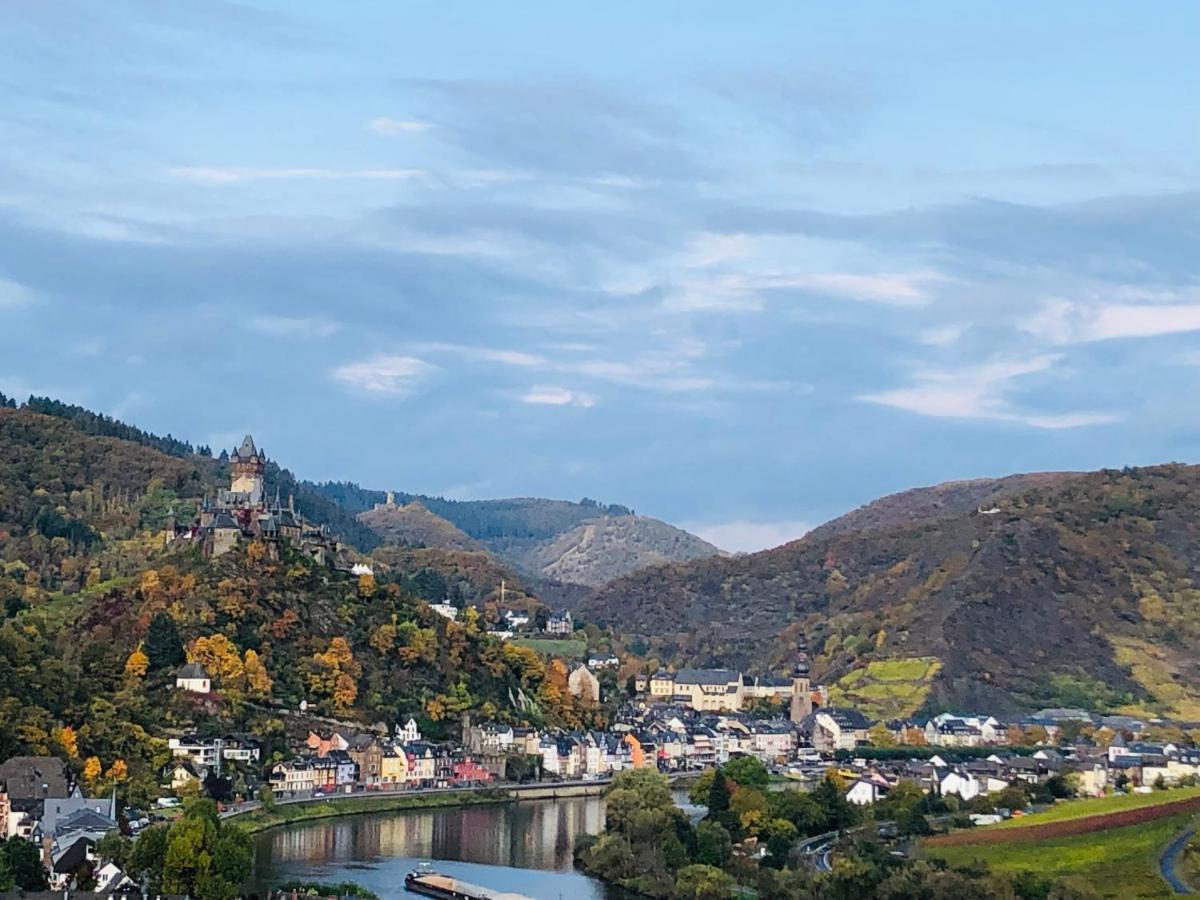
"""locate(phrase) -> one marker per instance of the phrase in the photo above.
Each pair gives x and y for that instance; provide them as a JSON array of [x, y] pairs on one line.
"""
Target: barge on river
[[428, 883]]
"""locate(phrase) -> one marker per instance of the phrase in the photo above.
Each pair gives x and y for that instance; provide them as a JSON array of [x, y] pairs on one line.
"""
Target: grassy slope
[[1082, 809], [550, 647], [1120, 863], [887, 689]]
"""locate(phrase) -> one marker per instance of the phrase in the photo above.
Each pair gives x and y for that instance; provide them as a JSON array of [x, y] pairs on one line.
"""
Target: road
[[1166, 862]]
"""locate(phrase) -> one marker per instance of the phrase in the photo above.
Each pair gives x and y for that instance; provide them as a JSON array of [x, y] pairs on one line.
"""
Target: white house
[[867, 790], [964, 784], [193, 678], [445, 610], [409, 732]]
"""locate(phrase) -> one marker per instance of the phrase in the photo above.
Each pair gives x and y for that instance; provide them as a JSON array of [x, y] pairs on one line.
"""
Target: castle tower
[[247, 465], [801, 686]]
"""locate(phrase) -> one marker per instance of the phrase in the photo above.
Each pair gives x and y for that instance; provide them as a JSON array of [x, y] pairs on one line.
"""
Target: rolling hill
[[97, 610], [1063, 589], [558, 541]]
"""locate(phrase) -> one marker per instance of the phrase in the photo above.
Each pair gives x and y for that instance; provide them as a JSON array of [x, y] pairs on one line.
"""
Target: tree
[[719, 798], [713, 844], [204, 857], [21, 865], [698, 790], [839, 812], [799, 808], [114, 847], [137, 664], [747, 771], [750, 807], [92, 768], [258, 682], [163, 646], [118, 771], [220, 658], [701, 882]]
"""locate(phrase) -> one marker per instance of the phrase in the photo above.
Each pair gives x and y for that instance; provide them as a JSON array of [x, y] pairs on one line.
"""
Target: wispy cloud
[[388, 127], [13, 294], [744, 536], [294, 327], [744, 291], [237, 175], [943, 335], [980, 392], [557, 396], [1065, 322], [394, 375]]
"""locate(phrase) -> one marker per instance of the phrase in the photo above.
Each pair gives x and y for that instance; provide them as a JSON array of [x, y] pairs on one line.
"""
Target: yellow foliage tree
[[66, 738], [258, 682], [366, 585], [151, 586], [137, 664], [383, 638], [118, 771], [91, 768], [345, 692], [220, 658], [256, 551], [334, 674]]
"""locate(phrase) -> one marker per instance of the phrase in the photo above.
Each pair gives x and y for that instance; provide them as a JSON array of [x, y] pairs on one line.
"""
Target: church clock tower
[[801, 686]]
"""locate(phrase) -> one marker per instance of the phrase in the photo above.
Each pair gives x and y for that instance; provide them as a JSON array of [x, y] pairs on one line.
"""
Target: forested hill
[[584, 543], [1076, 592], [518, 518], [97, 611]]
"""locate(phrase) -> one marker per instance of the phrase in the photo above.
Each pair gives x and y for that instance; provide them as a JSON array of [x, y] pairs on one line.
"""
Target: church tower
[[247, 465], [801, 686]]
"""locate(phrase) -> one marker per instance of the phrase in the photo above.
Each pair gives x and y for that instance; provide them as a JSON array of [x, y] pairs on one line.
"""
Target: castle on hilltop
[[243, 513]]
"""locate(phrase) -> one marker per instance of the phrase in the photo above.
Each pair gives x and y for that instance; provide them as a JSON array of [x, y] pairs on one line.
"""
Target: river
[[524, 847]]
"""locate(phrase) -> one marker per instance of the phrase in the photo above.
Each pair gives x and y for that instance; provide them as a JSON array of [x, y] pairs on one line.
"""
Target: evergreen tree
[[163, 645], [718, 803]]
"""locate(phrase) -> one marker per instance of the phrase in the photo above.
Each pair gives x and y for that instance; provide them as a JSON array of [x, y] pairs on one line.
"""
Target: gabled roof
[[706, 676], [192, 670], [34, 778]]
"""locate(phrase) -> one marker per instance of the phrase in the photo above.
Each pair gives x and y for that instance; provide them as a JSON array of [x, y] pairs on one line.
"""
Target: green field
[[887, 688], [1096, 806], [567, 649], [1119, 863]]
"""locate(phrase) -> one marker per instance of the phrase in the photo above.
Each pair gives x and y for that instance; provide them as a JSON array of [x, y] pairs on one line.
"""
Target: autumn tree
[[334, 674], [258, 682], [67, 741], [137, 664], [91, 769], [220, 658]]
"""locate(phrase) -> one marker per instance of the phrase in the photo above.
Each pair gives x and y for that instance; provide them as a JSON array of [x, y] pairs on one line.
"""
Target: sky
[[742, 267]]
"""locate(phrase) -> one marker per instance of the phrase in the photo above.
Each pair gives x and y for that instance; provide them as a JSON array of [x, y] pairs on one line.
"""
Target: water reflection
[[376, 849]]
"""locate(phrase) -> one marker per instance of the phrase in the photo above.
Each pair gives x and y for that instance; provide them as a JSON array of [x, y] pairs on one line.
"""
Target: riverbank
[[524, 848], [260, 819]]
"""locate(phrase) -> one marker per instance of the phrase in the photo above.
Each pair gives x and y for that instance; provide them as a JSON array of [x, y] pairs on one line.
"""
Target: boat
[[425, 881]]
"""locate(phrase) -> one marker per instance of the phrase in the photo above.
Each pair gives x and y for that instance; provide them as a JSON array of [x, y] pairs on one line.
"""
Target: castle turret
[[801, 685], [247, 464]]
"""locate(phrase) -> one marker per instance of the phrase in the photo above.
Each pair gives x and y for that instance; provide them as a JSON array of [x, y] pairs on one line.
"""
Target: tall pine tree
[[163, 646]]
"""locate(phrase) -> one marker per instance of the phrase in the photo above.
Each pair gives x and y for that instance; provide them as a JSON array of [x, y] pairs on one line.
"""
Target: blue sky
[[742, 267]]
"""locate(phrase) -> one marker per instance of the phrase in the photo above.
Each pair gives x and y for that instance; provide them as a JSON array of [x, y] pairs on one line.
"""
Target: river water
[[524, 847]]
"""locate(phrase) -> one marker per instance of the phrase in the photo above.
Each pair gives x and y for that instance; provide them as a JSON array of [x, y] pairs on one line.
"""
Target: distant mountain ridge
[[1059, 589], [584, 543]]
